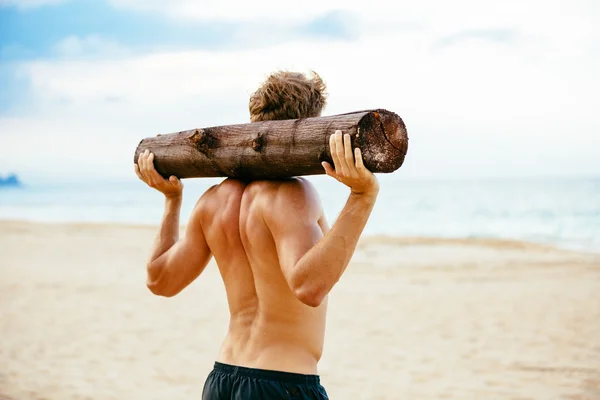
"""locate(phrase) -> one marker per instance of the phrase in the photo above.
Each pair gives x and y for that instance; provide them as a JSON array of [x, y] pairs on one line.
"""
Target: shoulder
[[222, 198], [281, 192], [288, 199], [226, 191]]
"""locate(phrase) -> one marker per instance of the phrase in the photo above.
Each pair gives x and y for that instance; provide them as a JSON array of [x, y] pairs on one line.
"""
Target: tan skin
[[275, 251]]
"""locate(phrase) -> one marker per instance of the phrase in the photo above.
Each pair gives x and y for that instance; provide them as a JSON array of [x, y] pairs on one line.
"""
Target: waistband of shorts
[[287, 377]]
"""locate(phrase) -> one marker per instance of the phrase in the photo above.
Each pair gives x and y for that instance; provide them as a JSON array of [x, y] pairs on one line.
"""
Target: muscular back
[[269, 327]]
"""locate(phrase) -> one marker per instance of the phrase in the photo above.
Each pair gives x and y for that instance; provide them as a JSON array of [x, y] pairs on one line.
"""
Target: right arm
[[173, 263], [312, 263]]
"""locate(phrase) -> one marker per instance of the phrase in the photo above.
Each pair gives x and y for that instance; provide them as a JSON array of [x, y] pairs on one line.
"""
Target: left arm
[[174, 263]]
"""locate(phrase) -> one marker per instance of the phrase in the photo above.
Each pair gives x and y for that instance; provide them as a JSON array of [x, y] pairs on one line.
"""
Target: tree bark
[[278, 149]]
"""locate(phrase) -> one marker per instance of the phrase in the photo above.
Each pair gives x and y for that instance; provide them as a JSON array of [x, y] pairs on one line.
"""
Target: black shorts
[[229, 382]]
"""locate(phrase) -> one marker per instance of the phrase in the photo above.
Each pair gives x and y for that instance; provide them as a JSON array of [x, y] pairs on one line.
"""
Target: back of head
[[288, 95]]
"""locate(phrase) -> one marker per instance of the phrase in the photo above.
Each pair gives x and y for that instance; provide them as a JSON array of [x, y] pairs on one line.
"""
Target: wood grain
[[278, 149]]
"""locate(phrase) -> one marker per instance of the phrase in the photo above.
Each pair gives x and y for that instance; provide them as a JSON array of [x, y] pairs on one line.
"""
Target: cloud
[[505, 98], [236, 10], [475, 108], [93, 28], [335, 24], [523, 15], [493, 35], [93, 45], [28, 4]]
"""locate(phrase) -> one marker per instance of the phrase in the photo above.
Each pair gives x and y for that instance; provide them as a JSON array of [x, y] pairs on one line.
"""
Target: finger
[[339, 149], [360, 166], [157, 178], [334, 156], [150, 161], [145, 161], [146, 169], [175, 182], [349, 155], [137, 171], [154, 175], [329, 169], [140, 161], [143, 168]]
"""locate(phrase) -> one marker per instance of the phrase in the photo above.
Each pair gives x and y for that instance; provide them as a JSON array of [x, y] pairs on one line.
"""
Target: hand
[[144, 169], [349, 167]]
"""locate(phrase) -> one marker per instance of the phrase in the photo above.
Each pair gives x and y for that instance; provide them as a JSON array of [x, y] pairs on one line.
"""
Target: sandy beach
[[411, 319]]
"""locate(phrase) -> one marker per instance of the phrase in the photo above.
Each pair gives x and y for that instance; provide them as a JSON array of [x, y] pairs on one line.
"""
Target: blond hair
[[288, 95]]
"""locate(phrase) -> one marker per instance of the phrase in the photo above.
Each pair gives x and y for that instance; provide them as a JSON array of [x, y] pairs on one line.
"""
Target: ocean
[[564, 212]]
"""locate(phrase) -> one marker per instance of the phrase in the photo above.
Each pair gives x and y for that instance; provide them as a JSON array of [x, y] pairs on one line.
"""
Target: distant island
[[11, 180]]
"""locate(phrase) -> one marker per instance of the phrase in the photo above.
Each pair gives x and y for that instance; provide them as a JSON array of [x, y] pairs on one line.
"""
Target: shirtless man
[[275, 251]]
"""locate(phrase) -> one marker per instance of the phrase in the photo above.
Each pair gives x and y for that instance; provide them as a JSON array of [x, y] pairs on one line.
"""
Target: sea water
[[564, 212]]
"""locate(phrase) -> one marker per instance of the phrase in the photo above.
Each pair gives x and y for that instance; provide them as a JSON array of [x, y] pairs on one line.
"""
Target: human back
[[270, 328]]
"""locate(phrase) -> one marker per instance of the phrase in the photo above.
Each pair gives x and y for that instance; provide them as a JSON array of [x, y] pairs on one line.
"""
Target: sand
[[411, 319]]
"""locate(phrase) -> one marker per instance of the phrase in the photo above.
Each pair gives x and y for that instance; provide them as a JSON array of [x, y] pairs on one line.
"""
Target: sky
[[486, 89]]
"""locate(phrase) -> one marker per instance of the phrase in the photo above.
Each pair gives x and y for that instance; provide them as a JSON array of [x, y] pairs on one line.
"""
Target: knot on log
[[258, 142], [203, 140]]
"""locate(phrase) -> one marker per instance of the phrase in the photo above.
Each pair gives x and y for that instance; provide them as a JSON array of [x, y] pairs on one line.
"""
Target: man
[[275, 251]]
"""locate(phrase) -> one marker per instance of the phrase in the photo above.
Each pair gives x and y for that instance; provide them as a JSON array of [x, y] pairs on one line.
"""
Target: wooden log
[[278, 149]]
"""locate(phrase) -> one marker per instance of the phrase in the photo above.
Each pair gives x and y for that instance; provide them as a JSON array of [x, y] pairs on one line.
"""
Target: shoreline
[[366, 239]]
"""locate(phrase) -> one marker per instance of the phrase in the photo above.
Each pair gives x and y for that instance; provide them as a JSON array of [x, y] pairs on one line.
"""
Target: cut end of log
[[383, 150], [394, 130]]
